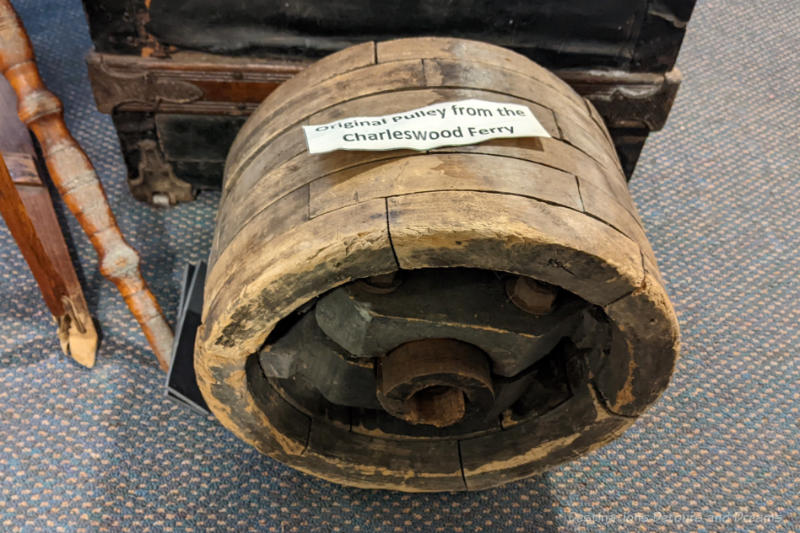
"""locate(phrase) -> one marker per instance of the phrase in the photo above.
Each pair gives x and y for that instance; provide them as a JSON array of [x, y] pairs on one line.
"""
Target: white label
[[445, 124]]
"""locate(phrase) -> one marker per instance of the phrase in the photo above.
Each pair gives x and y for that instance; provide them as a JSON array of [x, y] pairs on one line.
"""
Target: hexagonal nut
[[531, 296]]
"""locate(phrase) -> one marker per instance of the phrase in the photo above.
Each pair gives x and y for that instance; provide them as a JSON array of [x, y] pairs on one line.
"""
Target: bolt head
[[530, 296], [381, 283]]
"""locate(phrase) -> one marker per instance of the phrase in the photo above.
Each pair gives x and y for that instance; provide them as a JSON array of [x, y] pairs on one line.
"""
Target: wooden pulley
[[452, 319]]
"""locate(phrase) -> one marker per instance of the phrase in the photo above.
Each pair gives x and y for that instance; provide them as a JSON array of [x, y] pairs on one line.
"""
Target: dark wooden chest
[[179, 77]]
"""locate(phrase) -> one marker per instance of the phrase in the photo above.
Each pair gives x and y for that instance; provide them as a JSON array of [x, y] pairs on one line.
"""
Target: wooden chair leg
[[26, 202], [77, 182], [26, 207]]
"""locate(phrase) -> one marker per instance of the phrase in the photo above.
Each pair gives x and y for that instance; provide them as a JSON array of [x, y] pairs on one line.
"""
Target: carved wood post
[[77, 182]]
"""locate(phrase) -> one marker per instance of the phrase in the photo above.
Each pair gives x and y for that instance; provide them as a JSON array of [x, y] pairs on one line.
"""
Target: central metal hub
[[434, 381]]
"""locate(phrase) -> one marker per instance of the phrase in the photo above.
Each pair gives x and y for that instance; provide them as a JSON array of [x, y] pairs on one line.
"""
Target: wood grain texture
[[77, 183], [515, 234], [331, 66], [286, 154], [22, 229], [472, 52], [293, 226], [442, 172], [76, 330], [291, 141], [246, 198], [75, 326], [319, 96]]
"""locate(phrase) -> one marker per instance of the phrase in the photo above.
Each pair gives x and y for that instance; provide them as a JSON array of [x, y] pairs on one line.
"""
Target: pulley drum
[[453, 319]]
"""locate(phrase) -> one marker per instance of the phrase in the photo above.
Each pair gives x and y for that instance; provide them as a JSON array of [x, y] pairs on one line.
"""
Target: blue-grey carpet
[[103, 450]]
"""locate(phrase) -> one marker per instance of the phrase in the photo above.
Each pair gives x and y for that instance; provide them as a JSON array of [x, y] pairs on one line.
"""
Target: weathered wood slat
[[331, 66], [291, 142], [557, 154], [284, 215], [294, 267], [570, 110], [443, 172], [604, 206], [515, 234], [318, 96], [350, 457], [436, 73], [573, 428], [467, 51]]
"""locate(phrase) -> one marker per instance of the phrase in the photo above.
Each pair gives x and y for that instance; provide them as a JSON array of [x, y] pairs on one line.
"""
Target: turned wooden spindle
[[77, 182]]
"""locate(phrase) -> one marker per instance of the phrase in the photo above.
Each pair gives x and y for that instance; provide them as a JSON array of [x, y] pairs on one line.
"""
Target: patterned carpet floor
[[719, 191]]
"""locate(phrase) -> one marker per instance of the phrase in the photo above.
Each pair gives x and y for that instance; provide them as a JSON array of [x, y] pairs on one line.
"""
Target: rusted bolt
[[430, 381], [530, 295], [381, 284]]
